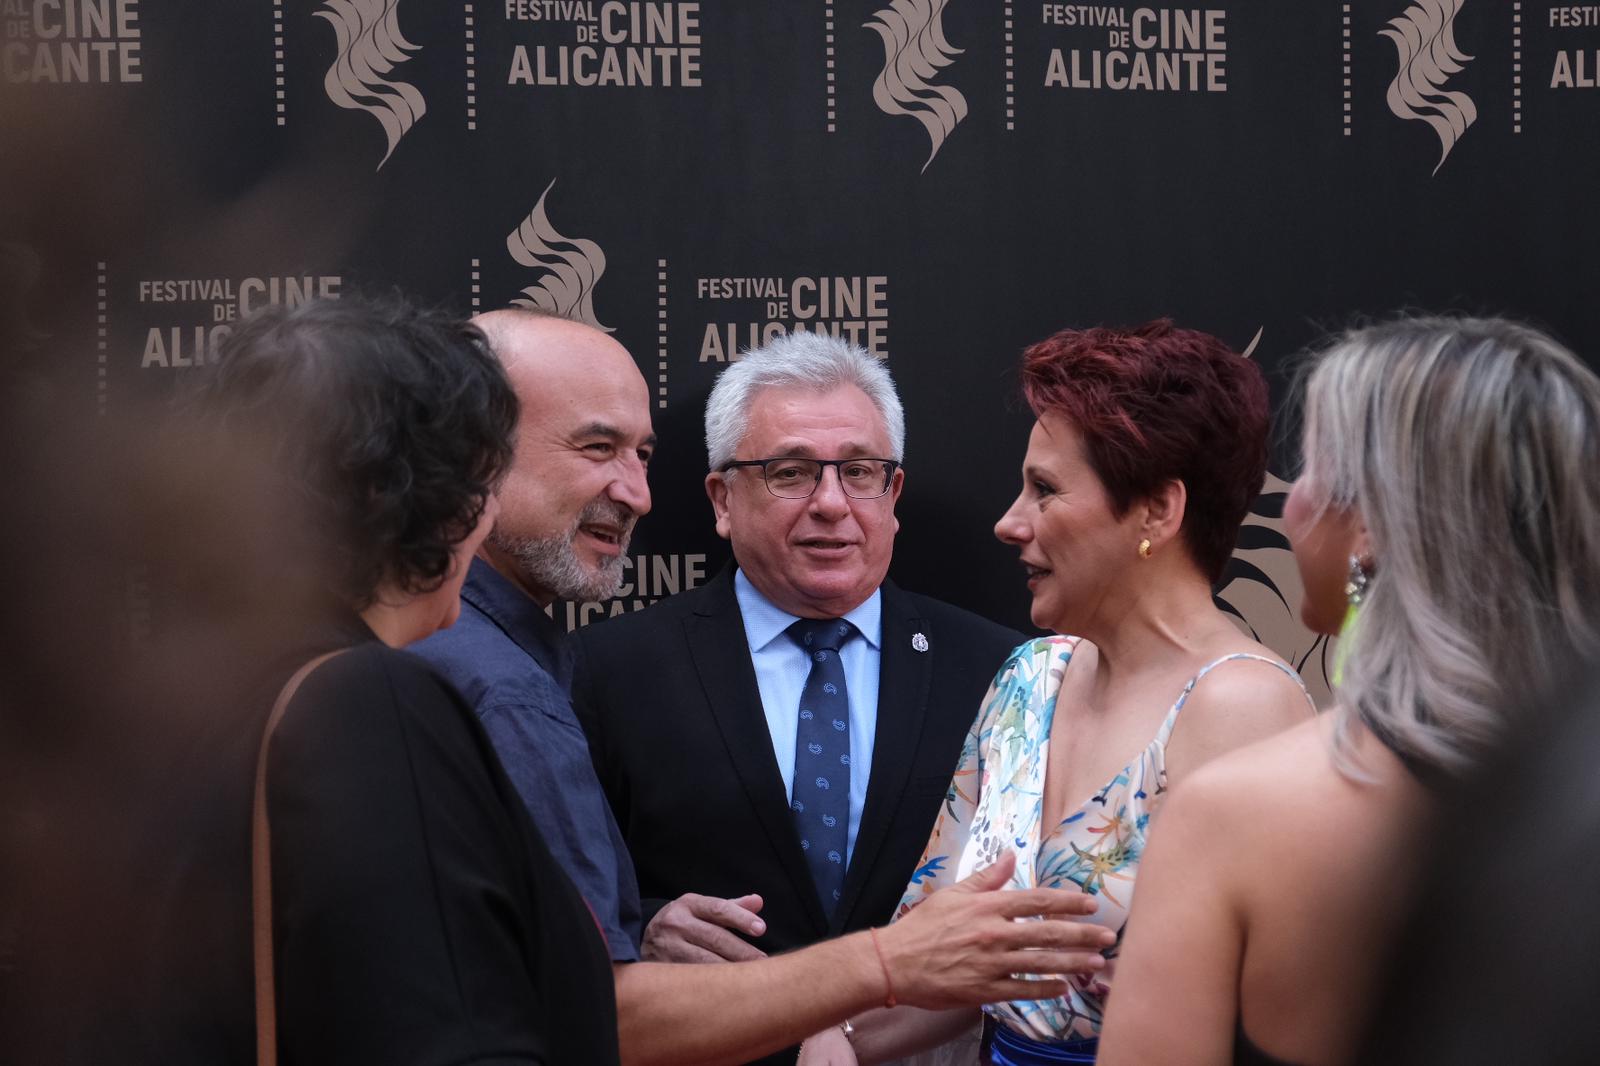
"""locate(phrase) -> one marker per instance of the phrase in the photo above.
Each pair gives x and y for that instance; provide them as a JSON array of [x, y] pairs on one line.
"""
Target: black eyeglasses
[[795, 479]]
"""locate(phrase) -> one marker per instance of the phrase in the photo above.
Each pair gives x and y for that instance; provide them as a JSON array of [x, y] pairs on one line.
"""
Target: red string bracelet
[[888, 999]]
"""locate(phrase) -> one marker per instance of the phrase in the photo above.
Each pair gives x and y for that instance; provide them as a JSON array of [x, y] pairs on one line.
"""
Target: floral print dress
[[995, 804]]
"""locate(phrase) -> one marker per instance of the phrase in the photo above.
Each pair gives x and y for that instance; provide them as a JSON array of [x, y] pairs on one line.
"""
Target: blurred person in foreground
[[334, 468], [576, 487], [1149, 446], [1447, 525]]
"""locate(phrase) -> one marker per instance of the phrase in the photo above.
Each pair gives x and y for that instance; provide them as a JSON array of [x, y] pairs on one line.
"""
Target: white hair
[[1469, 447], [814, 361]]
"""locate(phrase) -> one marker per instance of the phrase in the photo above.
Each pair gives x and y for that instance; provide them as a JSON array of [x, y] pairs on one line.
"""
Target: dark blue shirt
[[514, 667]]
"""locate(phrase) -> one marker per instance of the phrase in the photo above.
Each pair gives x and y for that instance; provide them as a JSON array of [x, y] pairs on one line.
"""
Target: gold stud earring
[[1144, 548]]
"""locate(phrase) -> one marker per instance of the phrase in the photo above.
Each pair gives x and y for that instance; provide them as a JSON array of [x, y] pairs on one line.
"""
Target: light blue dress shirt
[[781, 671]]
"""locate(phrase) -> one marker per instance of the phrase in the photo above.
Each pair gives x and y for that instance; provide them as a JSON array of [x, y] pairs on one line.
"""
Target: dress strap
[[1183, 697]]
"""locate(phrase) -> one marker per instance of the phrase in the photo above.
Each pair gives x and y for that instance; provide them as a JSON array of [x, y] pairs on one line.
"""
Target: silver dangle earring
[[1355, 586]]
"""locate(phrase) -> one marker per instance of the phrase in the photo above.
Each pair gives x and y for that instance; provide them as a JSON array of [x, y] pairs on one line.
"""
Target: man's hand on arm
[[694, 928], [959, 947]]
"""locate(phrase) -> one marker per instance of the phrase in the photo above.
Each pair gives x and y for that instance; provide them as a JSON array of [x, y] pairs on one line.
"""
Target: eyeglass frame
[[890, 467]]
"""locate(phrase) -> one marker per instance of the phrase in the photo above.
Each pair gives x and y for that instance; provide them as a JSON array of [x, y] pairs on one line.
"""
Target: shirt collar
[[519, 617], [765, 622]]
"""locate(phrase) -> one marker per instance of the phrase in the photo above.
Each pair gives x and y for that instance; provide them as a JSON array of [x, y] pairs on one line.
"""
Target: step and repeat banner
[[940, 181]]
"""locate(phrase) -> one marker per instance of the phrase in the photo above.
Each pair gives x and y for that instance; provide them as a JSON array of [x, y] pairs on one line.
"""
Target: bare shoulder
[[1236, 824], [1254, 682], [1289, 754], [1260, 777], [1237, 702]]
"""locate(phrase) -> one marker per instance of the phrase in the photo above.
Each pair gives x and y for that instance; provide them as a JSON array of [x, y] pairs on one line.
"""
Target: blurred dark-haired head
[[1157, 403], [177, 557], [390, 427]]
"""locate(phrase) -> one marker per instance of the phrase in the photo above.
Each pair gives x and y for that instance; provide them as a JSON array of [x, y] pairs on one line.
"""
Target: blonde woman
[[1448, 522]]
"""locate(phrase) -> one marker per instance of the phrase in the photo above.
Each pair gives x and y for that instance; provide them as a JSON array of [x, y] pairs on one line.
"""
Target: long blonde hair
[[1471, 449]]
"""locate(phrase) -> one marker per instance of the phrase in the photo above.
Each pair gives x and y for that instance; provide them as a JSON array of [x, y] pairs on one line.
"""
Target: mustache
[[608, 512]]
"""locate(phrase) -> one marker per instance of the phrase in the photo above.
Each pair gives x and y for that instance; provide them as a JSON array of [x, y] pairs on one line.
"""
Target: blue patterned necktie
[[821, 794]]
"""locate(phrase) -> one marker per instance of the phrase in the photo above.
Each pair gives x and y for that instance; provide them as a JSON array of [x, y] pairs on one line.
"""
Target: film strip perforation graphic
[[100, 337], [472, 68], [1011, 66], [1516, 66], [475, 287], [828, 61], [1345, 21], [279, 88], [661, 333]]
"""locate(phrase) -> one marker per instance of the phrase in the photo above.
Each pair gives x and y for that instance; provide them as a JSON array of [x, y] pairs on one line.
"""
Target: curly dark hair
[[389, 425]]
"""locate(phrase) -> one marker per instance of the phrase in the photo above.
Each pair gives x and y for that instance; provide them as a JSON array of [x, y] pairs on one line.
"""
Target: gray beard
[[551, 563]]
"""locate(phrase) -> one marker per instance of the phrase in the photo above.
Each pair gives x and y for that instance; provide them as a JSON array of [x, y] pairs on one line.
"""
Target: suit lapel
[[721, 656], [903, 679]]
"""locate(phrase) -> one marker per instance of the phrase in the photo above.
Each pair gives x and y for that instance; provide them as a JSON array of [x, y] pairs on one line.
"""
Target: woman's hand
[[827, 1048]]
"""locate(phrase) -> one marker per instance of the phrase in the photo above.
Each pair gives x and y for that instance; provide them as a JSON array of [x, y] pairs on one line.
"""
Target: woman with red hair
[[1148, 447]]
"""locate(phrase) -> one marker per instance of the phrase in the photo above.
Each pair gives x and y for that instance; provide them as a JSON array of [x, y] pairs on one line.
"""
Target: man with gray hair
[[789, 729]]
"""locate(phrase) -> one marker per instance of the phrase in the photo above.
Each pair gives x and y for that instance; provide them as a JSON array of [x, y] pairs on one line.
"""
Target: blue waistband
[[1014, 1049]]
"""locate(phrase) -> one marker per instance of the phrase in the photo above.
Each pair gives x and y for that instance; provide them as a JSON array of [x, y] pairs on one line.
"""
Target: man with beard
[[567, 509], [568, 506]]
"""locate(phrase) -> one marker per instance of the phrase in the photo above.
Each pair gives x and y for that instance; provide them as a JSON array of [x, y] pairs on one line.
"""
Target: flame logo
[[1424, 37], [914, 50], [572, 266], [1261, 589], [370, 44]]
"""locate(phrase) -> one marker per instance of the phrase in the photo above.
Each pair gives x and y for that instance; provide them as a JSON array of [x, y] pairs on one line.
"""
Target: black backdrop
[[972, 174]]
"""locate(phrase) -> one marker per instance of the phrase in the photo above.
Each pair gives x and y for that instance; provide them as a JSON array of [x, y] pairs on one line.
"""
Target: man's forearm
[[736, 1011], [962, 945]]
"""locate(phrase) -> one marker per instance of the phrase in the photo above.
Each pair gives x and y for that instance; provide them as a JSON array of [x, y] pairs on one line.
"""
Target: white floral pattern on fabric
[[995, 803]]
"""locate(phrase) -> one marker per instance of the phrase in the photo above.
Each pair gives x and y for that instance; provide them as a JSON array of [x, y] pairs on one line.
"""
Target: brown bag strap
[[261, 877]]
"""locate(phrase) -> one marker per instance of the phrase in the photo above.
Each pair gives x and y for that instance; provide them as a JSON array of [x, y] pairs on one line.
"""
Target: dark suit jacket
[[669, 700]]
